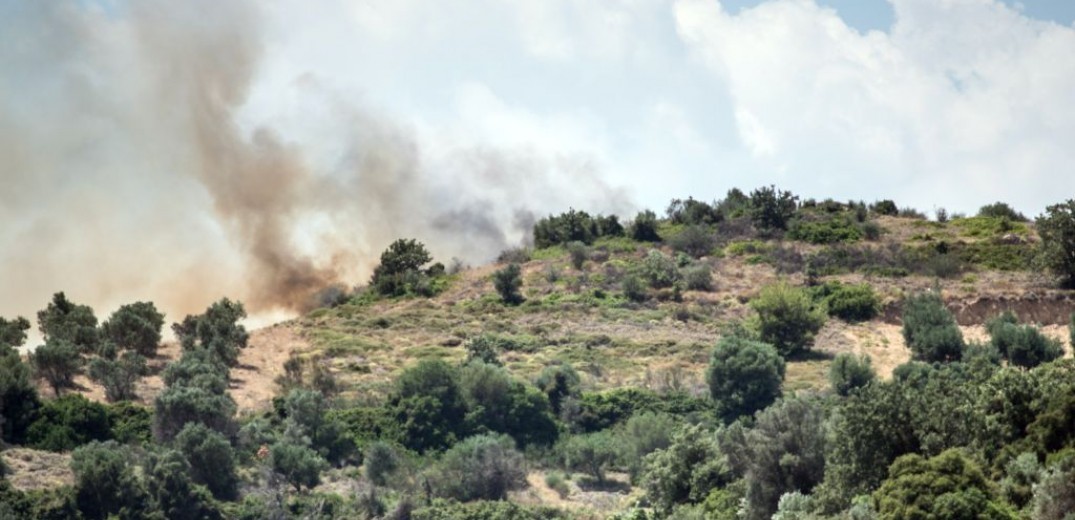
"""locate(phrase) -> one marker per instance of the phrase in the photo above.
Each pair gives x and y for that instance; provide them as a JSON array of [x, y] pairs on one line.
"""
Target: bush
[[644, 227], [949, 485], [849, 372], [929, 330], [57, 362], [555, 481], [642, 434], [591, 453], [68, 422], [64, 320], [698, 277], [659, 270], [18, 396], [483, 348], [118, 376], [173, 493], [427, 404], [217, 331], [828, 231], [744, 376], [634, 288], [482, 467], [1001, 210], [575, 226], [786, 318], [850, 303], [1057, 230], [400, 269], [292, 458], [507, 282], [136, 327], [178, 405], [579, 254], [771, 209], [500, 404], [559, 382], [105, 481], [380, 462], [693, 212], [211, 459], [13, 332], [307, 411], [696, 241], [884, 207], [687, 471], [1022, 345]]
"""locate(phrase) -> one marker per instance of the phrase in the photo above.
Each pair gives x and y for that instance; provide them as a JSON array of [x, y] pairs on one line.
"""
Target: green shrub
[[119, 376], [136, 326], [698, 277], [1001, 210], [18, 396], [1022, 345], [771, 209], [644, 227], [786, 318], [428, 403], [172, 492], [696, 241], [217, 330], [482, 467], [659, 270], [591, 453], [556, 481], [482, 510], [643, 433], [57, 362], [849, 372], [575, 226], [884, 207], [400, 270], [579, 254], [930, 330], [178, 405], [211, 459], [744, 376], [106, 482], [634, 288], [380, 462], [949, 485], [559, 382], [131, 423], [1057, 230], [65, 321], [507, 282], [850, 303], [988, 227], [828, 231], [13, 332], [687, 471], [68, 422], [292, 458]]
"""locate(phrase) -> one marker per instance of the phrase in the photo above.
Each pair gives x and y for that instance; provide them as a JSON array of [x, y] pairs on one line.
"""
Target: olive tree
[[744, 376], [135, 326], [1057, 230]]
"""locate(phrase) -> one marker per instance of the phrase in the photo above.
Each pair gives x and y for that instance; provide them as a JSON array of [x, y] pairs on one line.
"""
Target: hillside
[[637, 319]]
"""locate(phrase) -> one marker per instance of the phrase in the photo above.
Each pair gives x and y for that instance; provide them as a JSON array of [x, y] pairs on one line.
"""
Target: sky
[[182, 151]]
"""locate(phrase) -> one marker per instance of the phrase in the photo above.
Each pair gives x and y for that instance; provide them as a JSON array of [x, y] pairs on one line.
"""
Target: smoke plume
[[129, 171]]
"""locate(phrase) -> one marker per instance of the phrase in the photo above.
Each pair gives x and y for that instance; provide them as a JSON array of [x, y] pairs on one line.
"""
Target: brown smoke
[[127, 173]]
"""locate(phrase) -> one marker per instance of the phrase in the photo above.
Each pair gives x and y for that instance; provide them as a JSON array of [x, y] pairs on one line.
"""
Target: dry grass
[[33, 469]]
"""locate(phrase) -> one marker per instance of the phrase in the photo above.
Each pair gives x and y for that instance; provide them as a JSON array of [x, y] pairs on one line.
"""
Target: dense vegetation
[[964, 430]]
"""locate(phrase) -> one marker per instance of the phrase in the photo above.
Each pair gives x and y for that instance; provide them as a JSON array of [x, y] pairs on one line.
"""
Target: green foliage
[[68, 422], [771, 209], [849, 372], [644, 227], [832, 230], [292, 458], [930, 330], [784, 451], [949, 486], [744, 376], [591, 453], [136, 326], [211, 459], [69, 322], [507, 282], [483, 510], [498, 403], [217, 330], [634, 288], [400, 269], [698, 277], [556, 481], [48, 504], [659, 270], [57, 362], [18, 397], [172, 492], [1001, 210], [105, 481], [1022, 345], [869, 430], [428, 405], [687, 471], [308, 411], [483, 348], [178, 405], [1020, 476], [1057, 230], [13, 332], [851, 303], [579, 254], [380, 462], [884, 207], [558, 382], [482, 467], [643, 433], [119, 376], [595, 411], [130, 423], [787, 318], [574, 226], [693, 212], [696, 241], [1054, 496]]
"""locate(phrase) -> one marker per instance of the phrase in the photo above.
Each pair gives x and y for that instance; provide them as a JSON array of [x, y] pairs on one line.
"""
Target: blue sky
[[193, 132]]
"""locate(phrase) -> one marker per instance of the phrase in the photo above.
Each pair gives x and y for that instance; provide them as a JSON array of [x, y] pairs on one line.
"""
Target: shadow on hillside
[[812, 355], [608, 486]]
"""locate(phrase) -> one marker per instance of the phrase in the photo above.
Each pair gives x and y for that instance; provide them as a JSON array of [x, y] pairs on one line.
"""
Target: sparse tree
[[118, 376], [1057, 230], [849, 372], [136, 326], [70, 322], [57, 362], [294, 459], [13, 332], [771, 209], [217, 330], [482, 467], [400, 267], [507, 282]]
